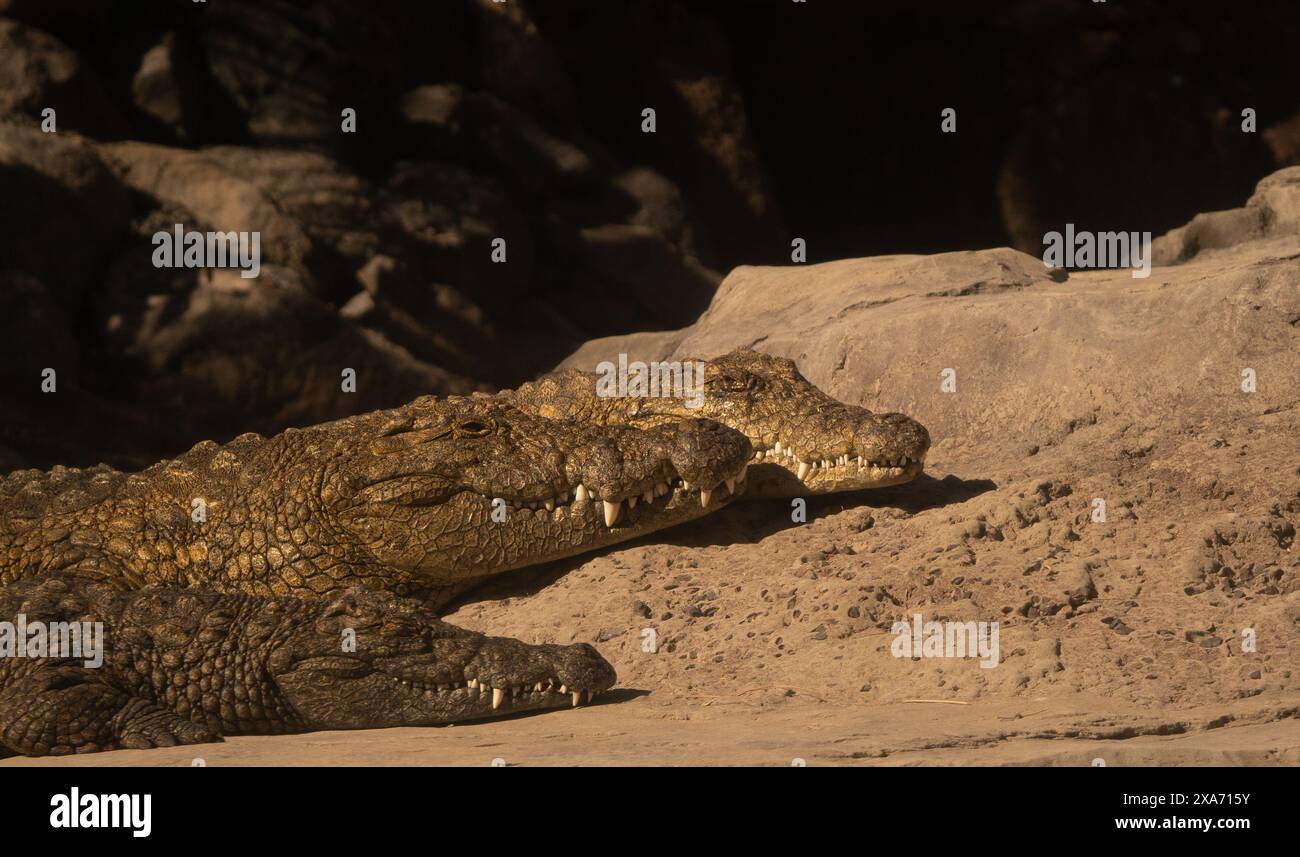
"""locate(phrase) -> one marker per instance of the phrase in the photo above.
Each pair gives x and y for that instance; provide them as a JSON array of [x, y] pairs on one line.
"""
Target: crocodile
[[425, 500], [188, 666], [804, 441]]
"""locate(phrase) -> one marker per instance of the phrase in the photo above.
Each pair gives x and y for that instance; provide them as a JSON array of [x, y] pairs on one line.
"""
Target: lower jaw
[[775, 480]]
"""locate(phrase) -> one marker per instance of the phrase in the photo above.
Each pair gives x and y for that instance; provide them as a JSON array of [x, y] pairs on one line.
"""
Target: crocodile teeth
[[649, 495], [611, 512], [804, 467], [473, 683], [537, 687], [577, 698], [580, 496], [661, 489], [731, 486], [550, 505], [631, 501], [705, 495], [564, 688], [497, 696], [686, 486], [777, 449]]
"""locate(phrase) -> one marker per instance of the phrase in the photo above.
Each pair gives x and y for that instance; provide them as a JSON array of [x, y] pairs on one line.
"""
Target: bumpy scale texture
[[185, 666]]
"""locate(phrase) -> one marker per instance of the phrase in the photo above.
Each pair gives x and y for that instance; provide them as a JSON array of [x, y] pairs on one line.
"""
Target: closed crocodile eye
[[732, 383], [403, 439], [474, 428]]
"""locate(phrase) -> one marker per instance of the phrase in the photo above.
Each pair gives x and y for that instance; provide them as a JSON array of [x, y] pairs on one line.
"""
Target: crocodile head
[[410, 669], [453, 489], [804, 441]]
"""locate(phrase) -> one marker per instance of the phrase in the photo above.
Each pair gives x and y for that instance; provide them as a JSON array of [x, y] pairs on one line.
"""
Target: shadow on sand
[[744, 522]]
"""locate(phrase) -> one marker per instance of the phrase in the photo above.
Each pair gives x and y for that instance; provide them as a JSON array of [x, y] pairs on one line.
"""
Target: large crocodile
[[804, 441], [185, 666], [424, 500]]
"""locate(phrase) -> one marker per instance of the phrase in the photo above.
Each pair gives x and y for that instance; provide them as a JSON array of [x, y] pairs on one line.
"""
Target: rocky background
[[522, 120]]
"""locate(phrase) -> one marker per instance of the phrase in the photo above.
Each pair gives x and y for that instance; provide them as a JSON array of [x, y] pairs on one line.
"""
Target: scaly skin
[[189, 666], [804, 441], [398, 500]]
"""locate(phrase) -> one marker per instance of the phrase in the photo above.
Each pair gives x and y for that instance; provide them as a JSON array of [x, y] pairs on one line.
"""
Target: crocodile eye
[[732, 383], [474, 428]]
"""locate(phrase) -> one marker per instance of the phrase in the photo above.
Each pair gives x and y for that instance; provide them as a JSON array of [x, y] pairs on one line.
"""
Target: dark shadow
[[922, 493], [620, 694], [744, 522]]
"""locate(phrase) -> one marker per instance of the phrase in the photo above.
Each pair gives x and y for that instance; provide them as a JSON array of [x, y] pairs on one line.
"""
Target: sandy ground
[[1074, 730]]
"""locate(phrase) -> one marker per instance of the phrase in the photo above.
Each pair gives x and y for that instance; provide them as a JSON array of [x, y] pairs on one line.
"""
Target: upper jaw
[[655, 493], [536, 677]]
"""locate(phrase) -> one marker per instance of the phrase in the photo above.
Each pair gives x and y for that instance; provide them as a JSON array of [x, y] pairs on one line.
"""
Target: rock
[[1075, 582], [509, 40], [652, 281], [170, 88], [39, 71], [74, 210], [1283, 140], [887, 332], [288, 366], [1273, 210], [219, 198], [291, 72]]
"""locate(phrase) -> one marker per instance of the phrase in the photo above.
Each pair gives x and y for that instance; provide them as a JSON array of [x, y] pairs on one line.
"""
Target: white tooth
[[611, 512], [473, 682], [649, 495], [591, 694], [777, 448], [705, 495], [497, 696], [580, 496], [860, 463], [564, 688], [550, 505], [731, 486], [631, 501], [661, 489], [804, 467], [577, 698], [686, 486], [537, 688]]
